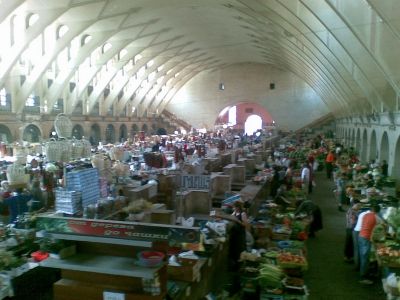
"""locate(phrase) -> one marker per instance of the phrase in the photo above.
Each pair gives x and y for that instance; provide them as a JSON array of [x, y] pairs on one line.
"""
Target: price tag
[[113, 296]]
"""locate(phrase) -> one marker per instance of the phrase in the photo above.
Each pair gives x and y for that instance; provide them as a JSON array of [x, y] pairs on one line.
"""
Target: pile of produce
[[270, 276], [389, 253], [291, 260]]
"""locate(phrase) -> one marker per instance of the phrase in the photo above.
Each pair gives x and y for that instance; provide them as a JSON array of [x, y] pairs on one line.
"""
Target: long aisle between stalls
[[328, 276]]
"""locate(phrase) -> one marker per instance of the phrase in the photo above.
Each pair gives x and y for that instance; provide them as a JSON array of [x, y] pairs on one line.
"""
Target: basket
[[121, 170], [20, 154], [16, 174], [76, 149], [63, 126], [58, 151], [98, 161], [87, 148], [117, 153]]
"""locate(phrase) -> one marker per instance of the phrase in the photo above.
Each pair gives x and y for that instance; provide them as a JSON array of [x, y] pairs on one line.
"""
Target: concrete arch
[[396, 166], [145, 128], [5, 134], [344, 137], [32, 133], [123, 133], [353, 138], [384, 151], [373, 151], [110, 133], [364, 146], [134, 130], [77, 131], [95, 134], [358, 141]]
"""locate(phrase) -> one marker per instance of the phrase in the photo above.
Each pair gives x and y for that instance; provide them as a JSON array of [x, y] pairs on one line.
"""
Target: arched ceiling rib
[[345, 50]]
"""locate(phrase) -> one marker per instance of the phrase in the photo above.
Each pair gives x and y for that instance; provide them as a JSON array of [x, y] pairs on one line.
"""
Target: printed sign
[[195, 182], [118, 229]]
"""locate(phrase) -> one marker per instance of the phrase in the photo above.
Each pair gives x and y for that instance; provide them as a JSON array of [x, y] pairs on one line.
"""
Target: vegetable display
[[270, 276], [290, 260]]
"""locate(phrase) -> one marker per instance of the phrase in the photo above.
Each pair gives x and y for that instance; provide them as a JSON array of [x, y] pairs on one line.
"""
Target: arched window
[[106, 47], [12, 30], [77, 131], [150, 63], [110, 133], [3, 97], [31, 19], [31, 101], [137, 58], [5, 134], [95, 135], [109, 64], [253, 123], [141, 72], [31, 134], [85, 39], [151, 76], [123, 133], [122, 53], [61, 31], [134, 129], [232, 116]]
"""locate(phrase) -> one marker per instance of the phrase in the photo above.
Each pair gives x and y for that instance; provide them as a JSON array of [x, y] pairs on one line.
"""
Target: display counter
[[109, 251]]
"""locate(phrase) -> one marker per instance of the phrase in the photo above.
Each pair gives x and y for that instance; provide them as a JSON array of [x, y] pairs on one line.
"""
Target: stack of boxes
[[68, 202], [85, 181], [103, 187]]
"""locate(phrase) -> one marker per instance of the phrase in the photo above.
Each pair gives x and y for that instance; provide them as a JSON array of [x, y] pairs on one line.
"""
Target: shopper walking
[[329, 161], [341, 191], [306, 178], [351, 221]]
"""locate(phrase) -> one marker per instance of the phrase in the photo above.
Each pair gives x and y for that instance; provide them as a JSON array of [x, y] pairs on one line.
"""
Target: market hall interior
[[123, 69]]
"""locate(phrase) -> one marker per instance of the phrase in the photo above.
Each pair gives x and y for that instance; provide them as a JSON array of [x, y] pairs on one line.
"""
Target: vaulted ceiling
[[134, 56]]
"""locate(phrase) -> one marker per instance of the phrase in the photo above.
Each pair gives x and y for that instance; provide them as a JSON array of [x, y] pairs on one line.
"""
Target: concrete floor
[[329, 277]]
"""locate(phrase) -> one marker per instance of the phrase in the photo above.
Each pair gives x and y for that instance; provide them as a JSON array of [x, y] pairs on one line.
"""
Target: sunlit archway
[[252, 124]]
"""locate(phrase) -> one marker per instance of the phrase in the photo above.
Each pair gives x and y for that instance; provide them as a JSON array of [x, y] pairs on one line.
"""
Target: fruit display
[[290, 260], [389, 254]]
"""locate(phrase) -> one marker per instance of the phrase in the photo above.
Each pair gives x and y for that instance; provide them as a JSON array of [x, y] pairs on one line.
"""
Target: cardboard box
[[187, 272], [163, 216], [77, 290]]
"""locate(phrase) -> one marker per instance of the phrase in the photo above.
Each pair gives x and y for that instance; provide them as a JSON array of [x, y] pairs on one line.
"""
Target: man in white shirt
[[305, 177]]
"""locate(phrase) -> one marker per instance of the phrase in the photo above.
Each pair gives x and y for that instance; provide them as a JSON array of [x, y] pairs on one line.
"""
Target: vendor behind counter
[[18, 203], [313, 211]]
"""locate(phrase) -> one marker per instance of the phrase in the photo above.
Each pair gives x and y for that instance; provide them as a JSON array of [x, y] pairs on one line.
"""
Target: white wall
[[293, 104]]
